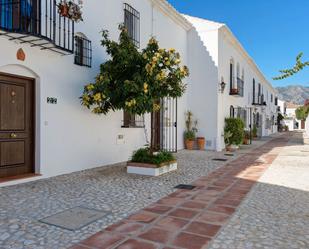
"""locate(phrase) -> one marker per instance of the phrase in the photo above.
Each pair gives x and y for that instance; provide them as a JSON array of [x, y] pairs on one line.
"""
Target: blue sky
[[272, 31]]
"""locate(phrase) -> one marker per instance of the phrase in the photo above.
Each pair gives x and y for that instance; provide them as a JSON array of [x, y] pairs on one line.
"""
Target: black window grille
[[242, 114], [132, 121], [83, 51], [231, 76], [232, 112], [132, 23]]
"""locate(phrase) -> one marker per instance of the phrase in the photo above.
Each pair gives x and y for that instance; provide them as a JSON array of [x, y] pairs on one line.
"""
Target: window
[[242, 114], [271, 98], [231, 74], [132, 23], [232, 112], [83, 51], [132, 121], [276, 101], [18, 15]]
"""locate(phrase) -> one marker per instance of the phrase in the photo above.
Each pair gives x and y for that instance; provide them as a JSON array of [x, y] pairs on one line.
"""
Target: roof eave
[[170, 11]]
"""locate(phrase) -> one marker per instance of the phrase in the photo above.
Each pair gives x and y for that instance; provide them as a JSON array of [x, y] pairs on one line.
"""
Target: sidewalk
[[190, 218], [275, 215]]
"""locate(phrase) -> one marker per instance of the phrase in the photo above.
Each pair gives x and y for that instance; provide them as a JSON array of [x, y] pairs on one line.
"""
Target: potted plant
[[227, 136], [145, 77], [189, 136], [234, 91], [190, 133], [246, 137], [63, 9], [201, 143], [144, 162], [70, 9], [236, 127]]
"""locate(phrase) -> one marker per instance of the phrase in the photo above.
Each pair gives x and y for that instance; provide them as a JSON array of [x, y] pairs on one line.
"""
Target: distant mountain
[[294, 94]]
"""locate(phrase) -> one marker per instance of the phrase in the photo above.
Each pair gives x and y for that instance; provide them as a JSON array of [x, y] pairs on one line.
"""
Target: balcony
[[238, 91], [37, 23]]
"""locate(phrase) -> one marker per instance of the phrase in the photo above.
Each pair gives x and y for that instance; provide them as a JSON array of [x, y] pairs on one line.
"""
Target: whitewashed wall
[[223, 47], [202, 90], [68, 137]]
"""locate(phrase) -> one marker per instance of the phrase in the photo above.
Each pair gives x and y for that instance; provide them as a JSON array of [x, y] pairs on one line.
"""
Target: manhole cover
[[75, 218], [185, 186], [220, 159]]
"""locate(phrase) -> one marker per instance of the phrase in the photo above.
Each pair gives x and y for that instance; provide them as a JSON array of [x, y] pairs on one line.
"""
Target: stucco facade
[[69, 138], [225, 49]]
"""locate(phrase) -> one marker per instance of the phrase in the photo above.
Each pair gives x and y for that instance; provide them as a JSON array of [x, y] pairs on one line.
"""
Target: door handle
[[13, 135]]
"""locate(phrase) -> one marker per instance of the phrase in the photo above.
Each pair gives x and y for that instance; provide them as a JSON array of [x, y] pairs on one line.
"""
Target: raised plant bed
[[151, 169]]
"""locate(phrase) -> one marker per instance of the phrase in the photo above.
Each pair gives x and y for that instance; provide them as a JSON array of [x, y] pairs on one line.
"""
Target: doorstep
[[12, 180]]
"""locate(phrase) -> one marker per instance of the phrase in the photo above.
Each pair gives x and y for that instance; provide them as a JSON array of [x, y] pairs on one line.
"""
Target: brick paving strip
[[190, 218]]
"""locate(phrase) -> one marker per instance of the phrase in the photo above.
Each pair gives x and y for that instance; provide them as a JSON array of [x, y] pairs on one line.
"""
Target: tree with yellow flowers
[[134, 80]]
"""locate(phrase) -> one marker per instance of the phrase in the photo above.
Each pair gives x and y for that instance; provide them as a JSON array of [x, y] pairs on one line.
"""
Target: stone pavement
[[191, 219], [108, 189], [276, 213]]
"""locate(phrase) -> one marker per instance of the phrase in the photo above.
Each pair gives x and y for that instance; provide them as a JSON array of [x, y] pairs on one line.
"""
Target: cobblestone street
[[109, 189], [217, 214]]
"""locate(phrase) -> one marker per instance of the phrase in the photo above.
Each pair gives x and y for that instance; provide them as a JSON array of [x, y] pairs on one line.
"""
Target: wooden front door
[[16, 126], [303, 124]]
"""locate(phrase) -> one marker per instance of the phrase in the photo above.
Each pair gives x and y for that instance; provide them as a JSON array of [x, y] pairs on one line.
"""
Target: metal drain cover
[[220, 159], [185, 186], [75, 218]]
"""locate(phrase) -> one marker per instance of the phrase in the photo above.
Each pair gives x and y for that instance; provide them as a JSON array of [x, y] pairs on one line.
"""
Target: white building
[[290, 119], [247, 94], [46, 60]]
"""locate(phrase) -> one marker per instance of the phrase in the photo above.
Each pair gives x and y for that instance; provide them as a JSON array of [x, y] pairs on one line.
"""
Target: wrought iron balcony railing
[[239, 89], [38, 23]]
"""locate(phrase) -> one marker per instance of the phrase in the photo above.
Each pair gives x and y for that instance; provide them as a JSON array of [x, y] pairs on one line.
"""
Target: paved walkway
[[108, 189], [276, 213], [191, 219]]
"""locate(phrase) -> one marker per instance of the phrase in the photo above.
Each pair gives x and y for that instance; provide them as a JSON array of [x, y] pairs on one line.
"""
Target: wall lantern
[[222, 86]]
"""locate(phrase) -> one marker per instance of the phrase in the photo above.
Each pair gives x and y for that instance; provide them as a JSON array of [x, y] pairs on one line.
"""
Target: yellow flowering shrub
[[134, 80]]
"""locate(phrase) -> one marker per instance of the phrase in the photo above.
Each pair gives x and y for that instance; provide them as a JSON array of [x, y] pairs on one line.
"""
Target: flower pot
[[231, 148], [189, 144], [228, 148], [201, 143], [151, 169], [246, 141], [64, 10], [234, 91]]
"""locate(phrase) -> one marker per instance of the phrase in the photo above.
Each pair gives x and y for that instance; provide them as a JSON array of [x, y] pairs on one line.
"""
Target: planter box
[[151, 169]]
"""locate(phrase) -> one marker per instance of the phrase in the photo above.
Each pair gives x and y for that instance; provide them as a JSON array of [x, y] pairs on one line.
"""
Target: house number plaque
[[52, 100]]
